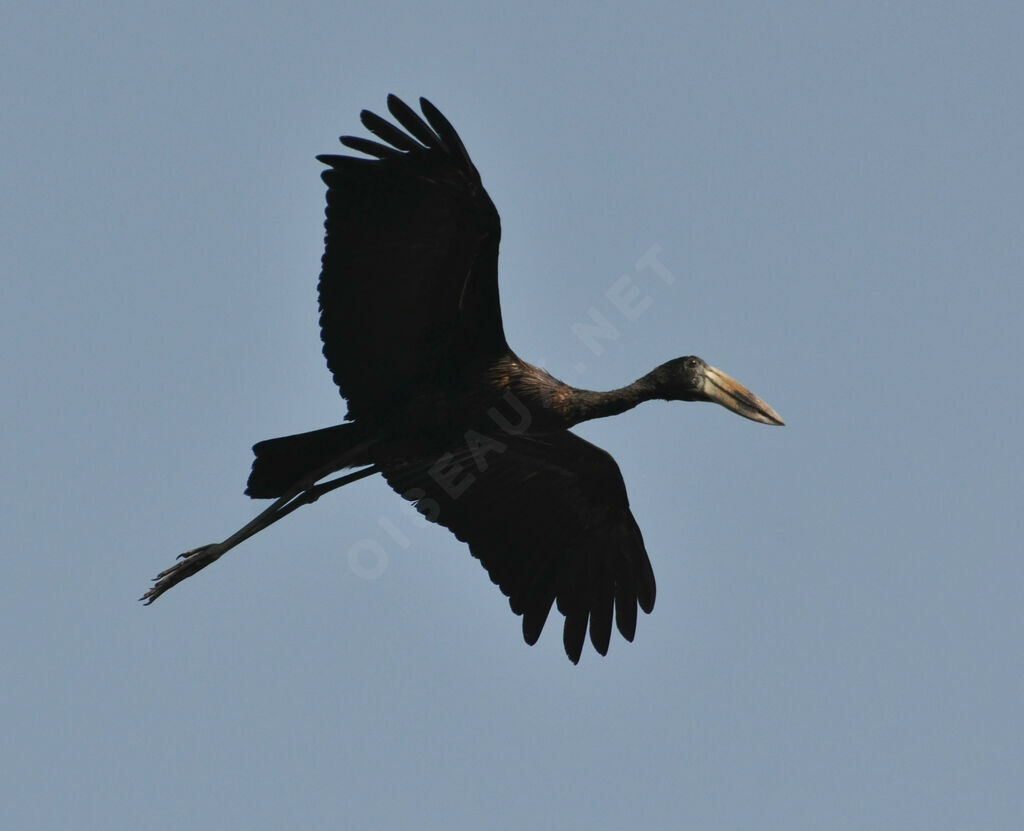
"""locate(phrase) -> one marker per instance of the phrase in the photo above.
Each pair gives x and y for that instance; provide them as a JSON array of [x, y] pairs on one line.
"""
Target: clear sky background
[[838, 639]]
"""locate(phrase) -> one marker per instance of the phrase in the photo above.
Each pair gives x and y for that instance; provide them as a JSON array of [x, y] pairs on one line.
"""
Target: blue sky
[[838, 193]]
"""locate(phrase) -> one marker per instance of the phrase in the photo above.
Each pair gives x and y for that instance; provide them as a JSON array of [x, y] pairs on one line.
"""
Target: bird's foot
[[188, 564]]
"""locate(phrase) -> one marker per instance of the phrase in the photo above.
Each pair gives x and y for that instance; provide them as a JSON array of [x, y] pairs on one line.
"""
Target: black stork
[[445, 411]]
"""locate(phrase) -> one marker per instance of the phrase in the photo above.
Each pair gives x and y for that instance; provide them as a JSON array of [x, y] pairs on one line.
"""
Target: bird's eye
[[691, 363]]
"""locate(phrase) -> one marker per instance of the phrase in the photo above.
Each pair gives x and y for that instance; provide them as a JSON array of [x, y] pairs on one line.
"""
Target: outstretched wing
[[548, 517], [409, 286]]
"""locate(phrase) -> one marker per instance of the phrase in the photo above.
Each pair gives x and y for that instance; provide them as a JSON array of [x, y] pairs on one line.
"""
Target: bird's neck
[[589, 404]]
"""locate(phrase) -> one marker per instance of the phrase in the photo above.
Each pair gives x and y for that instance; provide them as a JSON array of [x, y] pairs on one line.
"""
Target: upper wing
[[409, 286], [549, 519]]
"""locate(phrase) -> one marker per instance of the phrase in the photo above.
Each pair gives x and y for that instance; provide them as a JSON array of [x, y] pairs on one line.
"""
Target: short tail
[[281, 463]]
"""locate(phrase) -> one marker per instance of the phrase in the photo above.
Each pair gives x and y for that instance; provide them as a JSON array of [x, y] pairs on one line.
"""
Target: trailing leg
[[300, 494]]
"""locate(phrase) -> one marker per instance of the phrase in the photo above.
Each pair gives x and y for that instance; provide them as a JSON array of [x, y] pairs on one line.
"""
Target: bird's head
[[693, 379]]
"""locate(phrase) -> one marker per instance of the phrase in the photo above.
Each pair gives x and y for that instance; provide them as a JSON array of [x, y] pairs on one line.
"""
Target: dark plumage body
[[440, 405]]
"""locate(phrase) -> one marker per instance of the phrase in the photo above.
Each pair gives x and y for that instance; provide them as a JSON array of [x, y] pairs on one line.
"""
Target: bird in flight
[[445, 411]]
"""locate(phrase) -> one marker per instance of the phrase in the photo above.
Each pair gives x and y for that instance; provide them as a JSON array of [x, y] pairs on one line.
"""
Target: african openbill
[[441, 406]]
